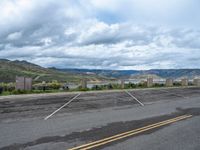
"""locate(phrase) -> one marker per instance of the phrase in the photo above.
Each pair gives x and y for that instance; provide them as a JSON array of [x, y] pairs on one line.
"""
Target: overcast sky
[[102, 34]]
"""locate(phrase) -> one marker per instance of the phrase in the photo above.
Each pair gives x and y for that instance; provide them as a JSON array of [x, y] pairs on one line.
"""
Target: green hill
[[126, 74], [10, 69]]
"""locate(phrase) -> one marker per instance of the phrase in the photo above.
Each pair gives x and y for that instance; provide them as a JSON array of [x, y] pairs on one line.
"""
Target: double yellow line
[[129, 133]]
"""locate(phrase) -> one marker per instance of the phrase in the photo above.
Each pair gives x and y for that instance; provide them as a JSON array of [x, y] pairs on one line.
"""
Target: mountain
[[175, 73], [10, 69], [162, 73], [107, 73]]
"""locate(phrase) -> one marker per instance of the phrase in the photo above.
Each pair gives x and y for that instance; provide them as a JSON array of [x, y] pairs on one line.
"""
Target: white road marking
[[62, 106], [134, 98], [174, 93]]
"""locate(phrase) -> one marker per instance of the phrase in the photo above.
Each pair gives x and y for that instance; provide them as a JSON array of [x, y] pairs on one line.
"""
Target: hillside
[[144, 76], [162, 73], [175, 73], [107, 73], [10, 69]]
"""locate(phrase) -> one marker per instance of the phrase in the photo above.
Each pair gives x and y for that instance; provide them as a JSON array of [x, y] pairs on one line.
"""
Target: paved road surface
[[96, 116]]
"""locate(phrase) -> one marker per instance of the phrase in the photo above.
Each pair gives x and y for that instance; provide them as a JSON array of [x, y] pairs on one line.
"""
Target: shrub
[[116, 86], [142, 85], [81, 89], [19, 92], [54, 85], [1, 90], [158, 85], [177, 83], [110, 86], [130, 85], [97, 87], [8, 86]]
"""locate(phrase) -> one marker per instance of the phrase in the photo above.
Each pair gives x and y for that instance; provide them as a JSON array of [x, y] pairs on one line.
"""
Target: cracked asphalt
[[96, 115]]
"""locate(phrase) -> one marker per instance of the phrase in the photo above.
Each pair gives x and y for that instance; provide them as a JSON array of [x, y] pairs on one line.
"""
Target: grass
[[79, 89], [5, 93]]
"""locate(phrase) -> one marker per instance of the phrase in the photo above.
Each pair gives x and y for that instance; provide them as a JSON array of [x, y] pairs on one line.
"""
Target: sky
[[102, 34]]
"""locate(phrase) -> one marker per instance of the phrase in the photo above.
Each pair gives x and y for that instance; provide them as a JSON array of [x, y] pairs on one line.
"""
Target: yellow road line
[[102, 140], [129, 133], [112, 140]]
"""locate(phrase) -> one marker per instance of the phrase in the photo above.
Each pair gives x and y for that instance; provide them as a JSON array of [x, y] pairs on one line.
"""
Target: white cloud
[[47, 41], [83, 34], [14, 36]]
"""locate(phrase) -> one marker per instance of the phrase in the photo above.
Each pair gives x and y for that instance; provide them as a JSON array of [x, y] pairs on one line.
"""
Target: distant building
[[122, 84], [23, 83], [20, 83], [169, 82], [196, 82], [83, 83], [28, 84], [184, 82], [149, 82]]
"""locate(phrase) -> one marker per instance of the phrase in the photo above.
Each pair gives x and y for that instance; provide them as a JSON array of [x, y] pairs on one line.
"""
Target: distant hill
[[107, 73], [144, 76], [162, 73], [10, 69], [175, 73]]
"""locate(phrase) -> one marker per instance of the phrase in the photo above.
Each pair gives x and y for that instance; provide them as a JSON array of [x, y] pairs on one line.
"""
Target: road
[[113, 120]]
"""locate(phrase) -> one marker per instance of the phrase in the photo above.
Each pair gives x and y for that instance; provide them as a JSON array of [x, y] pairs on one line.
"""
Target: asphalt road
[[99, 115]]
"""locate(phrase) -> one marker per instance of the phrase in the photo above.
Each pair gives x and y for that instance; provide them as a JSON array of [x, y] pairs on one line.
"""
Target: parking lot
[[57, 121]]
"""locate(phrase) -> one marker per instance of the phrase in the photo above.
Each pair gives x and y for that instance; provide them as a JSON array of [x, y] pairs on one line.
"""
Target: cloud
[[83, 34], [14, 36]]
